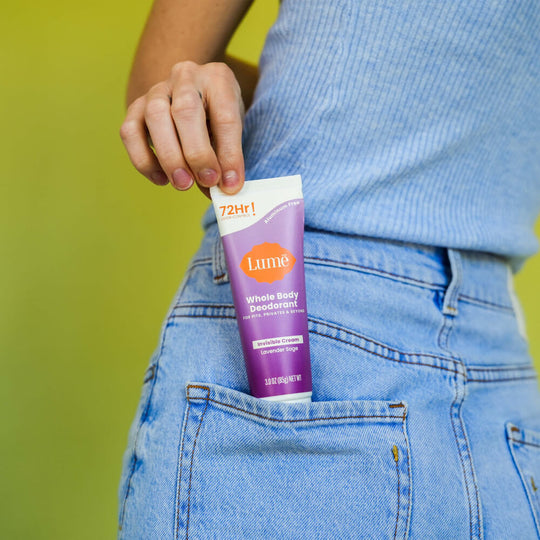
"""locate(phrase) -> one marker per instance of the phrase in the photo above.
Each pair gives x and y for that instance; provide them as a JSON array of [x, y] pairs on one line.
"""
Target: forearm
[[196, 30]]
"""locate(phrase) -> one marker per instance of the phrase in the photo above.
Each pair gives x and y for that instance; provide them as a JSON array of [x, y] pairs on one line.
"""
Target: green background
[[92, 254]]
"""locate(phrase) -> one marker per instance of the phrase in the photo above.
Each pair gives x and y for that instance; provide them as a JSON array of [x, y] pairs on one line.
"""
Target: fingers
[[134, 136], [193, 121], [157, 116], [226, 119], [189, 117], [209, 97]]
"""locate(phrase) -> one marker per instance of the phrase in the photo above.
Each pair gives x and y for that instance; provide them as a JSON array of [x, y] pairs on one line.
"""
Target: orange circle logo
[[267, 263]]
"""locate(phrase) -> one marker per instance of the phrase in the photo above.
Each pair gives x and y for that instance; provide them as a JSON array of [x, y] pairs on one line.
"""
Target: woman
[[415, 128]]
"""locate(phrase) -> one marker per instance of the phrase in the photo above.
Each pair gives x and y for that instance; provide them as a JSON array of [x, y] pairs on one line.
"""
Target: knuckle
[[185, 66], [221, 69], [160, 87], [197, 156], [135, 104], [186, 103], [158, 91], [128, 129], [226, 117], [156, 108]]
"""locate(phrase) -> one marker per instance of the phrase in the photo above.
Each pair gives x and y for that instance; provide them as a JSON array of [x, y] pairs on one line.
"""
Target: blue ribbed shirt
[[410, 120]]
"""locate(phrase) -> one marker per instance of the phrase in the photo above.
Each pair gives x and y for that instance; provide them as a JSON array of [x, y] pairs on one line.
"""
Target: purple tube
[[262, 229]]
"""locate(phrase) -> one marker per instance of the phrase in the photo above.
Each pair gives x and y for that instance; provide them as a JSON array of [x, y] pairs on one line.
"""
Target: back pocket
[[250, 468], [525, 448]]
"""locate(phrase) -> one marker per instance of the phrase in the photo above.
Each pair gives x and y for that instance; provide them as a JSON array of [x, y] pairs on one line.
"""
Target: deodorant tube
[[262, 230]]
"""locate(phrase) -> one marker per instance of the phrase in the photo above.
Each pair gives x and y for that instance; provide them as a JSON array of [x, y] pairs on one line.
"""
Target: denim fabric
[[425, 421]]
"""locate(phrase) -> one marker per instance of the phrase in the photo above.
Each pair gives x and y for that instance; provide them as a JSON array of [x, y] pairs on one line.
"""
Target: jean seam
[[527, 367], [376, 271], [528, 495], [328, 325], [398, 498], [385, 274], [341, 329], [444, 332], [409, 476], [455, 413], [219, 268], [452, 414], [383, 345], [485, 303], [199, 262], [524, 442], [397, 360], [191, 467], [313, 320], [204, 305], [406, 280], [134, 458], [179, 473], [501, 374], [204, 316], [457, 405], [507, 379], [295, 420]]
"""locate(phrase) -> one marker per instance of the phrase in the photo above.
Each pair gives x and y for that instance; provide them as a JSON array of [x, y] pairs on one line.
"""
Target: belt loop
[[219, 266], [516, 305], [451, 296]]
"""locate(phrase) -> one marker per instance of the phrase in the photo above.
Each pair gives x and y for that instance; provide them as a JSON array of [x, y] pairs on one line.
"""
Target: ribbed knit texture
[[408, 120]]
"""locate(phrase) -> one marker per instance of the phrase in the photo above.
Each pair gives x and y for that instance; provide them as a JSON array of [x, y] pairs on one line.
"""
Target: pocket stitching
[[532, 497], [292, 420], [191, 465], [396, 459], [409, 477], [207, 399], [179, 477], [403, 503], [524, 442]]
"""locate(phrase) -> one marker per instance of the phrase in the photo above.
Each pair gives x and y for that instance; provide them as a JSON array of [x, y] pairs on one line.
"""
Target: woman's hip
[[420, 375]]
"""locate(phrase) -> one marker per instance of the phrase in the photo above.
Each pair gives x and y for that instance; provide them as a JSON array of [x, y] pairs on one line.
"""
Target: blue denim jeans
[[425, 421]]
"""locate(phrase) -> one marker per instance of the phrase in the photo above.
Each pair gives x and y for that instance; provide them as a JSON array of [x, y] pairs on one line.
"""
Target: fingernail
[[230, 178], [182, 179], [159, 177], [208, 176]]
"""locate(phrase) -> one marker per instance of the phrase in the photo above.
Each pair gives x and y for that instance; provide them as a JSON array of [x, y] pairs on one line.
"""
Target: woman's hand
[[193, 121]]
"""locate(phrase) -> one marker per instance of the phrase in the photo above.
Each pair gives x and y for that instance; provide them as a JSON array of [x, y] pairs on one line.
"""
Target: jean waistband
[[464, 275]]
